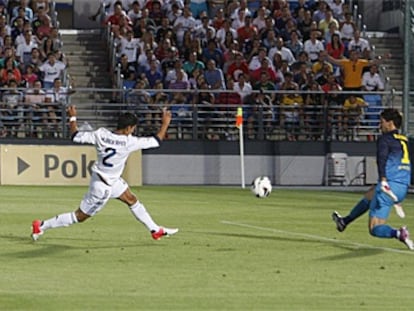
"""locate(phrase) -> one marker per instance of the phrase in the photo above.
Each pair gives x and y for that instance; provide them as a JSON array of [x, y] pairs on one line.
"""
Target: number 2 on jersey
[[110, 153]]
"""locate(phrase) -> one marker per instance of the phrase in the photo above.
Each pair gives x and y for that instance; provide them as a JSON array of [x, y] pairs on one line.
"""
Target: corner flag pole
[[239, 124]]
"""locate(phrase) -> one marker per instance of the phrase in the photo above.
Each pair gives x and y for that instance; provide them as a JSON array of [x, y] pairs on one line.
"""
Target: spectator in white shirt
[[286, 53], [360, 44], [371, 80], [243, 87], [51, 70], [313, 46], [130, 46]]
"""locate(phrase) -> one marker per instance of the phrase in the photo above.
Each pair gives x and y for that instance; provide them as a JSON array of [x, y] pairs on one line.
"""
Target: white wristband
[[72, 119]]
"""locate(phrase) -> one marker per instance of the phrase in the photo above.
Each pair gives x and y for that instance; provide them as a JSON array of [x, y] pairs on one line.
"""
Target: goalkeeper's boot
[[399, 210], [339, 221], [163, 232], [404, 236], [36, 229]]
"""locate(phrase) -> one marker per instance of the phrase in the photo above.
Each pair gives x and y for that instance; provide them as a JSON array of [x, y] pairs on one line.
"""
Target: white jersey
[[113, 150]]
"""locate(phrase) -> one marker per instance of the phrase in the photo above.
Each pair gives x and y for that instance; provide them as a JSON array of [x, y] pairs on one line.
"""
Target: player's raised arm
[[166, 119], [73, 125]]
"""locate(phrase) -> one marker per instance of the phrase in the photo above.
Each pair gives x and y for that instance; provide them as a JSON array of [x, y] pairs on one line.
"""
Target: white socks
[[142, 215], [62, 220]]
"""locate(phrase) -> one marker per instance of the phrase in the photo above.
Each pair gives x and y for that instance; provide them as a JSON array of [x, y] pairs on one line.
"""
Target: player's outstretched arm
[[73, 125], [166, 119]]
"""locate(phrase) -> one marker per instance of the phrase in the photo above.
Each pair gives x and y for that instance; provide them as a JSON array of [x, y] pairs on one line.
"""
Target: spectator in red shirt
[[238, 66]]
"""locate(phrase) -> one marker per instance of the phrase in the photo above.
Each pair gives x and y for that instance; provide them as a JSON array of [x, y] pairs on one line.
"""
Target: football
[[261, 187]]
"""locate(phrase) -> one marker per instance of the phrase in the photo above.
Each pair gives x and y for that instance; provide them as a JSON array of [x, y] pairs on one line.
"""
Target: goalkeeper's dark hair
[[392, 114], [126, 119]]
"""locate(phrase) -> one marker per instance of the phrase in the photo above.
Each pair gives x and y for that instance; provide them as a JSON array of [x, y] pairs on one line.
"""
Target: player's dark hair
[[126, 119], [391, 114]]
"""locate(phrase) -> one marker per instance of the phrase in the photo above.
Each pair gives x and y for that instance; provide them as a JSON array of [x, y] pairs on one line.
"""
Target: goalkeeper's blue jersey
[[393, 158]]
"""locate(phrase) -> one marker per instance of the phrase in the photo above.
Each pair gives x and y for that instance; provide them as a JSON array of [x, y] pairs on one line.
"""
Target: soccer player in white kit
[[113, 149]]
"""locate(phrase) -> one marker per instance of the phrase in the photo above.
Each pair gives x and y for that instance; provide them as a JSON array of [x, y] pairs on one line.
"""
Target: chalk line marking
[[317, 237]]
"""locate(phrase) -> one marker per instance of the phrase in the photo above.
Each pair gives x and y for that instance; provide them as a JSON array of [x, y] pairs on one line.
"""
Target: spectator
[[192, 63], [36, 113], [185, 48], [353, 114], [269, 41], [352, 69], [36, 60], [284, 51], [243, 88], [265, 67], [11, 110], [255, 61], [10, 72], [168, 63], [42, 24], [294, 44], [360, 44], [371, 81], [139, 101], [130, 47], [291, 109], [313, 112], [246, 32], [51, 70], [17, 28], [347, 29], [204, 31], [153, 74], [37, 5], [198, 7], [183, 23], [260, 20], [304, 26], [337, 10], [30, 76], [226, 31], [214, 76], [335, 47], [333, 103], [134, 13], [26, 9], [212, 52], [238, 67], [128, 72], [320, 13], [313, 46], [172, 73], [24, 50], [57, 100], [325, 24]]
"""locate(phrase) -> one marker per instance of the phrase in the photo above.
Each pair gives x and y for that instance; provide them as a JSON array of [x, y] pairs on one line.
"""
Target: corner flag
[[239, 124], [239, 117]]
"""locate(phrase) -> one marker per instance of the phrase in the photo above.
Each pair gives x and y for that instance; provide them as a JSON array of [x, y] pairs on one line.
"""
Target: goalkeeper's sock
[[358, 210], [62, 220], [384, 231], [141, 214]]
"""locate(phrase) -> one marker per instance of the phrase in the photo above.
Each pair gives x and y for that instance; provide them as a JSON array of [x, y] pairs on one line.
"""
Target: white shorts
[[99, 193]]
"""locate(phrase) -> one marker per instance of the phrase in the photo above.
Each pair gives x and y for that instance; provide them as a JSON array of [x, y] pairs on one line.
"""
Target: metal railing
[[194, 119]]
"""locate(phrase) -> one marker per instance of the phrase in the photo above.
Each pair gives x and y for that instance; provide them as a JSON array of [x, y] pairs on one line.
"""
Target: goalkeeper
[[394, 171]]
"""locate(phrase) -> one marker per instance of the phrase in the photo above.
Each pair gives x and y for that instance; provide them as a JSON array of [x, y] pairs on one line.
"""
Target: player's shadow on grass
[[352, 252], [39, 249]]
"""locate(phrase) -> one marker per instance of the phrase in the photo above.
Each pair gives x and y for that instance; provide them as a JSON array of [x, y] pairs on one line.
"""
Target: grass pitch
[[233, 252]]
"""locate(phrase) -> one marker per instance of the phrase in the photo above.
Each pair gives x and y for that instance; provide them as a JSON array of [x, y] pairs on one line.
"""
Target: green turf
[[233, 252]]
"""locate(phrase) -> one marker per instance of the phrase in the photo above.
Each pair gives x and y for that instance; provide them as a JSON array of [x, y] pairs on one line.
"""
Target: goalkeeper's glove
[[385, 187], [399, 210]]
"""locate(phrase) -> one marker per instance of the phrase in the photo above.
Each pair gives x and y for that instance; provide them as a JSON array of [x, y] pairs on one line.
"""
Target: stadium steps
[[394, 68], [89, 66]]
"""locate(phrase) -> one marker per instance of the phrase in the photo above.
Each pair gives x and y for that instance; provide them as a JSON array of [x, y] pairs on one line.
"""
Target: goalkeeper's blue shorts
[[382, 203]]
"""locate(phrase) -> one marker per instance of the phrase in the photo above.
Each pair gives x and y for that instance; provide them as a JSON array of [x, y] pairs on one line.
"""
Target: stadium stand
[[197, 57]]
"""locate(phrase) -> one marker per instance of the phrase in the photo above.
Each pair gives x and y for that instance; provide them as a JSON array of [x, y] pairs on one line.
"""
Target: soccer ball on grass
[[261, 187]]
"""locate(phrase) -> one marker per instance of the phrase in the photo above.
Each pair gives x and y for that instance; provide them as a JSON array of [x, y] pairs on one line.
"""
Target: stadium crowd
[[246, 46], [31, 70]]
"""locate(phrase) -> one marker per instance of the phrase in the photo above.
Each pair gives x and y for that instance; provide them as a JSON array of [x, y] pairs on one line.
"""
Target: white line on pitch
[[316, 237]]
